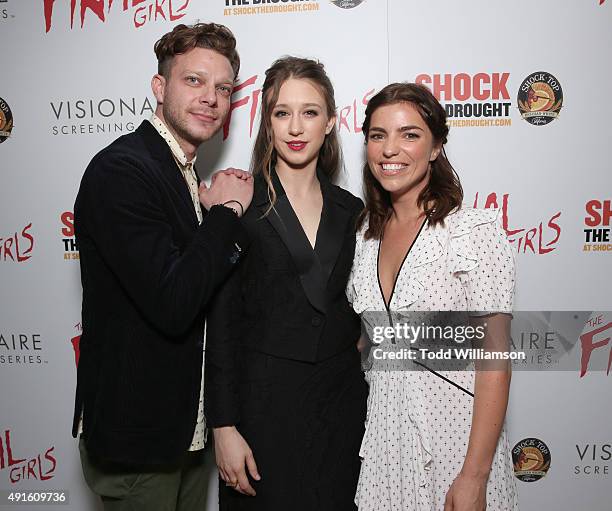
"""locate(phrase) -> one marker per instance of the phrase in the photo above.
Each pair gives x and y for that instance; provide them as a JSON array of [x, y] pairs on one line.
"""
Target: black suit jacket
[[148, 271], [284, 299]]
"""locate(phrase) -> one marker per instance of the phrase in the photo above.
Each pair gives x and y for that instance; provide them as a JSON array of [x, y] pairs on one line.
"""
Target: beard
[[177, 122]]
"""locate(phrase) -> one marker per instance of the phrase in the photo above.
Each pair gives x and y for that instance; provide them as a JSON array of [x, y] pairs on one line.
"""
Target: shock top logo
[[39, 468], [143, 11], [6, 120], [540, 98], [347, 4], [531, 458]]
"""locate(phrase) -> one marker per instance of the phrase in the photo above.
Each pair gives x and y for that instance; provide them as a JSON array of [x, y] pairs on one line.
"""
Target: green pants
[[177, 488]]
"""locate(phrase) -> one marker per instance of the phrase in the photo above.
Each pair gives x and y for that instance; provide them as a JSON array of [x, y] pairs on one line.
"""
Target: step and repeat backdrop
[[524, 84]]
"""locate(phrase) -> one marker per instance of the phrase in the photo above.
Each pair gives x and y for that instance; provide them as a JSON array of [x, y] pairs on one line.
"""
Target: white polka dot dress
[[418, 424]]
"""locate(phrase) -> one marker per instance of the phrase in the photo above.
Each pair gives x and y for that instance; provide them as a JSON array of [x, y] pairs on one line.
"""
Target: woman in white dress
[[435, 437]]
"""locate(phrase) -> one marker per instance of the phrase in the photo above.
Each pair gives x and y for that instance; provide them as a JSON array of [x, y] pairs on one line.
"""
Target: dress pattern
[[418, 424]]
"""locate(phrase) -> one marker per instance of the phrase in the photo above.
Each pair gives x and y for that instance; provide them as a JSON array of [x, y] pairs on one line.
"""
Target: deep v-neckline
[[399, 271], [297, 218]]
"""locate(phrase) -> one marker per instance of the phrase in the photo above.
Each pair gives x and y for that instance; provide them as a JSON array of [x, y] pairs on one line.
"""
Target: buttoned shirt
[[187, 170]]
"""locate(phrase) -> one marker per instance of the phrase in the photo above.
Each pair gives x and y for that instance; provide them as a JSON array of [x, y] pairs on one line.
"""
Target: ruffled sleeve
[[482, 257], [351, 288]]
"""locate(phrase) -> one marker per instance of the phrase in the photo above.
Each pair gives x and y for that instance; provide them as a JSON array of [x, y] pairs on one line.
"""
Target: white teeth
[[393, 166]]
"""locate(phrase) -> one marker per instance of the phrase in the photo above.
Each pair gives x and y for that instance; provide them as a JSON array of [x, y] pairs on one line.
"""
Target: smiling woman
[[434, 438], [284, 390]]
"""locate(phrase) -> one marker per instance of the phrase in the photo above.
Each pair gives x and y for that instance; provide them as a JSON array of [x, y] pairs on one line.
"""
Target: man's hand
[[228, 185], [232, 453]]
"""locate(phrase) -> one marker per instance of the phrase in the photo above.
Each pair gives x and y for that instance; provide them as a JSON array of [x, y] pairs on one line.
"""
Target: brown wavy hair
[[183, 38], [264, 156], [443, 193]]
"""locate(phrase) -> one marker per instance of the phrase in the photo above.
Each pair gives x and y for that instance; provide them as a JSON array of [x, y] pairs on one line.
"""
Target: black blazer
[[284, 299], [148, 271]]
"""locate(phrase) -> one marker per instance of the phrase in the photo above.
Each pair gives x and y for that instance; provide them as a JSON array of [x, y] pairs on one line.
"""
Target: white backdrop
[[74, 86]]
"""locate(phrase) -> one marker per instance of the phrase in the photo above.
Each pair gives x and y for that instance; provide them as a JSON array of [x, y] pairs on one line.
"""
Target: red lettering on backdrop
[[41, 467], [241, 102], [462, 86], [588, 346], [350, 113], [348, 116], [174, 13], [524, 238], [342, 118], [75, 341], [155, 10], [600, 213], [67, 219], [13, 247], [10, 461]]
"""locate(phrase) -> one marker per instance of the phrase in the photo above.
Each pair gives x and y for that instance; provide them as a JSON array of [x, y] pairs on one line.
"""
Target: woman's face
[[299, 123], [399, 148]]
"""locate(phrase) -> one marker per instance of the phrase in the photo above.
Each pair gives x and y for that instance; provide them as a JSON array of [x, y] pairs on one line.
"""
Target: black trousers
[[304, 423]]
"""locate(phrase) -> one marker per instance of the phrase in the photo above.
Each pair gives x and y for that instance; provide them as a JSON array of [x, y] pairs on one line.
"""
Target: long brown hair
[[263, 158], [443, 193]]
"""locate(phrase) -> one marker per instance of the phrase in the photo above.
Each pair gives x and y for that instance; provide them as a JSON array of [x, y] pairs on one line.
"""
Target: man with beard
[[154, 248]]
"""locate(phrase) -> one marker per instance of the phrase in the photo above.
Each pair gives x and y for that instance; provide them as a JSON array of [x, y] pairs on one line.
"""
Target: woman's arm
[[491, 389], [221, 396]]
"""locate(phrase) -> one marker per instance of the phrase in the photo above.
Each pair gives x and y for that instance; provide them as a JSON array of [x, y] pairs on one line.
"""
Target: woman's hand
[[232, 454], [467, 493]]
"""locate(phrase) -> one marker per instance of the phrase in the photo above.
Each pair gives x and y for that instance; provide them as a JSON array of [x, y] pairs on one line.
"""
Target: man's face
[[194, 99]]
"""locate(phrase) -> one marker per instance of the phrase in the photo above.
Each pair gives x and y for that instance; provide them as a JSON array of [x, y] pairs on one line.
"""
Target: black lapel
[[285, 222], [334, 219], [160, 150]]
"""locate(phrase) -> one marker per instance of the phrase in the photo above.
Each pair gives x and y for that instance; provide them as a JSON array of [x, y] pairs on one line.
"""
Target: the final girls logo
[[596, 338], [478, 100], [143, 11], [17, 246], [539, 239], [247, 95], [40, 467]]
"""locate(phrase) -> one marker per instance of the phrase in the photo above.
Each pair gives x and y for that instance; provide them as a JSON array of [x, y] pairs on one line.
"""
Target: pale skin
[[299, 124], [193, 101], [400, 147]]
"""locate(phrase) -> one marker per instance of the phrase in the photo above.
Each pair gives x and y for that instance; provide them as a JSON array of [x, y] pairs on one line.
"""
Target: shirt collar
[[177, 152]]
